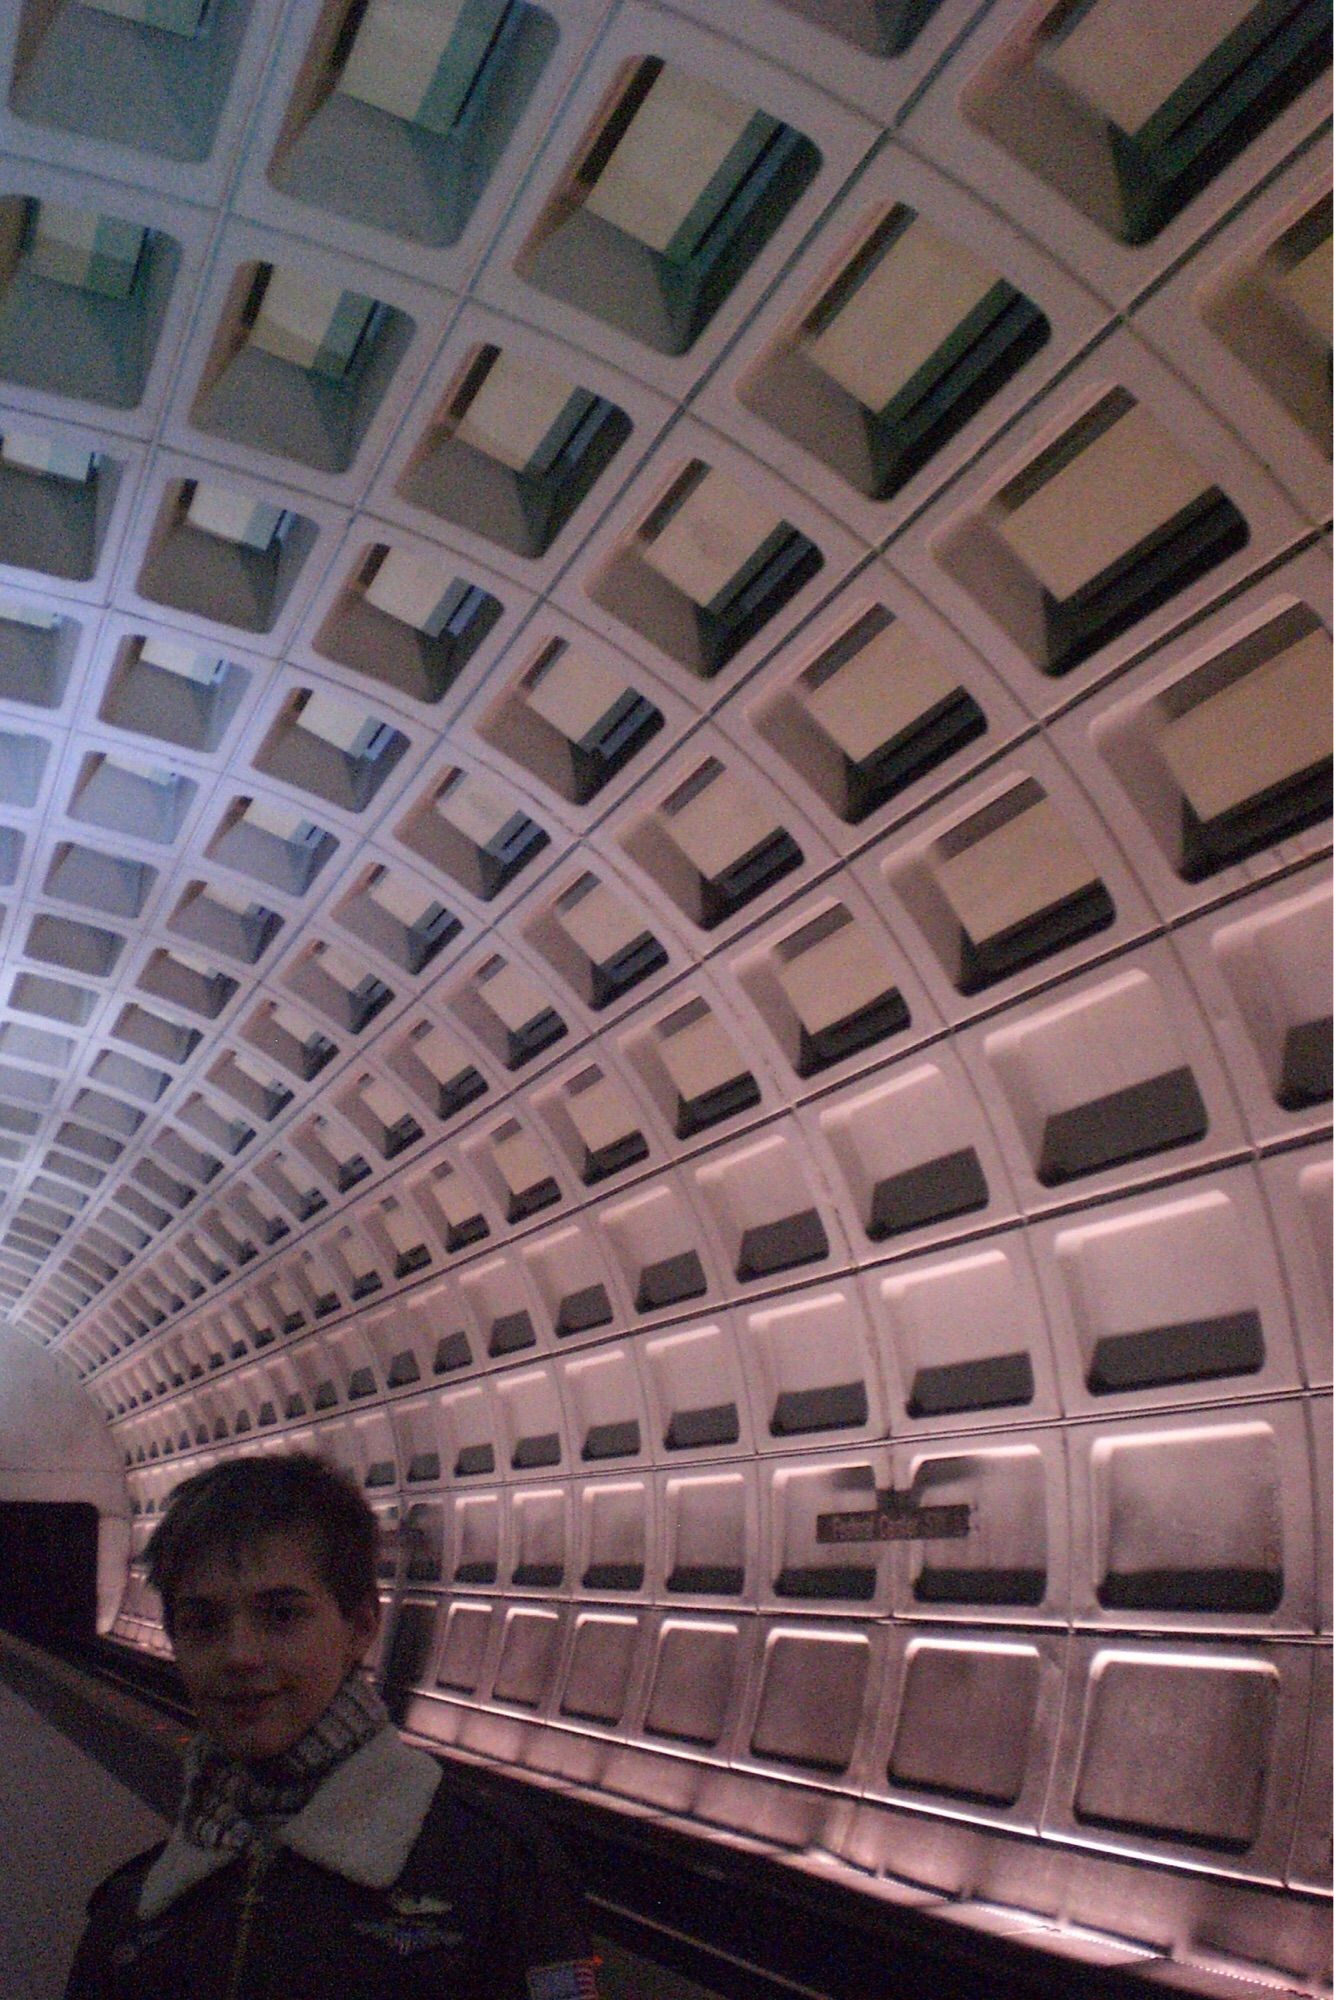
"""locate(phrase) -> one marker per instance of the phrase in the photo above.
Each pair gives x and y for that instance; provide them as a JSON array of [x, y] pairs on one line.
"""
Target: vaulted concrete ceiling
[[664, 789]]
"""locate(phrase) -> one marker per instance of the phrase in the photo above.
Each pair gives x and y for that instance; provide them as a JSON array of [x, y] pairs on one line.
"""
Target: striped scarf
[[229, 1804]]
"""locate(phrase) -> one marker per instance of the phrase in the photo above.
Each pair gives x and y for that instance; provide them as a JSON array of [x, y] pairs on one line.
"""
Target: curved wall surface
[[54, 1446], [665, 771]]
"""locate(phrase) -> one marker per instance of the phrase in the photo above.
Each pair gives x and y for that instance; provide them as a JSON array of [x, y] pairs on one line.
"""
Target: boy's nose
[[242, 1643]]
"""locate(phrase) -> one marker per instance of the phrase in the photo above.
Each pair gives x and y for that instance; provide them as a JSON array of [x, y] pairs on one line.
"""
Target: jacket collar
[[361, 1824]]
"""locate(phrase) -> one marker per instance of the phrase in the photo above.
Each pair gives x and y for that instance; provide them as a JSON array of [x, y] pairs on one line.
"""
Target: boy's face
[[262, 1645]]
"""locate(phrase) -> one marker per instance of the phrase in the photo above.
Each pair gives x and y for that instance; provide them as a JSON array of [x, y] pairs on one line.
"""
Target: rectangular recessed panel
[[1127, 59], [528, 1658], [517, 408], [952, 1185], [837, 980], [908, 304], [707, 1535], [22, 762], [460, 1091], [419, 62], [32, 1087], [694, 1430], [1307, 1073], [1126, 485], [1014, 871], [342, 724], [11, 853], [693, 1679], [1190, 1351], [707, 1579], [477, 1524], [405, 1235], [1260, 730], [1306, 282], [1003, 1557], [711, 1107], [809, 1710], [471, 1229], [718, 823], [516, 1000], [473, 1460], [833, 1408], [614, 1576], [414, 589], [511, 1332], [1190, 1522], [203, 669], [79, 947], [441, 1054], [598, 1678], [616, 1529], [612, 1440], [717, 534], [466, 1635], [963, 1330], [995, 1383], [578, 696], [386, 1107], [600, 923], [158, 1036], [539, 1539], [1052, 929], [817, 1049], [413, 1639], [710, 1077], [853, 1583], [965, 1721], [528, 1201], [580, 1311], [1275, 813], [1177, 1750], [676, 146], [316, 326], [780, 1246], [531, 1452], [61, 460], [606, 1120], [235, 517], [136, 1079], [95, 253], [1127, 1124], [671, 1280], [403, 1368], [482, 815]]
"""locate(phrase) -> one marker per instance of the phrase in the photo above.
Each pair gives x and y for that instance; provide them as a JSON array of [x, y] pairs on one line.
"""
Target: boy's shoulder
[[497, 1859], [500, 1849], [466, 1816], [122, 1885]]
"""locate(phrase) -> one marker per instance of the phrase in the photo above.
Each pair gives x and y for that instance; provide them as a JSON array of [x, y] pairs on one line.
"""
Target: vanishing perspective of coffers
[[664, 807]]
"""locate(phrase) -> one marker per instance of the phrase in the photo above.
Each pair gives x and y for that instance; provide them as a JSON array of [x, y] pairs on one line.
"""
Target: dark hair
[[235, 1505]]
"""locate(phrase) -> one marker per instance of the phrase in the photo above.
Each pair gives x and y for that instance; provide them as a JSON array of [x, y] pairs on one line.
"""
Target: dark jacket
[[392, 1884]]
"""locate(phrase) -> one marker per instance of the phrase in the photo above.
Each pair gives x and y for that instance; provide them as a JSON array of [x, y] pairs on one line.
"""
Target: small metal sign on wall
[[896, 1517]]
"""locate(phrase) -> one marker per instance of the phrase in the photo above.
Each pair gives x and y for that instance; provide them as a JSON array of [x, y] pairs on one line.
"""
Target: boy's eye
[[197, 1624], [283, 1615], [202, 1626]]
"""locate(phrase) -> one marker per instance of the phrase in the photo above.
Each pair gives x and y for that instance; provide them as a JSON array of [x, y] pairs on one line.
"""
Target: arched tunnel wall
[[56, 1460], [677, 903]]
